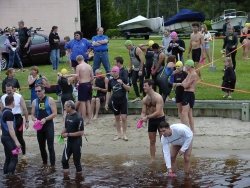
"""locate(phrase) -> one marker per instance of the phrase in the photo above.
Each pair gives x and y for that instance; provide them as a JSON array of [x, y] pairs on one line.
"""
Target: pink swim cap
[[116, 69], [173, 34]]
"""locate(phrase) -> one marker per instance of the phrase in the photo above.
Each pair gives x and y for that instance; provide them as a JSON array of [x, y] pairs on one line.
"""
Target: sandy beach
[[213, 135]]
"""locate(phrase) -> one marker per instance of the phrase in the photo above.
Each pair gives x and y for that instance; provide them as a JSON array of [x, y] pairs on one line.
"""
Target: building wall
[[42, 13]]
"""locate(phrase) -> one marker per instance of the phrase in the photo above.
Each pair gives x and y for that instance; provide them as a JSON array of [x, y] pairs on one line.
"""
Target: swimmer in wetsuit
[[8, 138], [179, 77], [118, 103], [73, 131], [188, 99], [154, 103], [44, 109]]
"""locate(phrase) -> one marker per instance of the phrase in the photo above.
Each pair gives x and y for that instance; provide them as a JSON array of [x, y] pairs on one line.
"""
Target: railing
[[229, 15]]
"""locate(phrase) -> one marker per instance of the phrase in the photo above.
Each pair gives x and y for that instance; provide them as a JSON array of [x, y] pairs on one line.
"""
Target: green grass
[[203, 92]]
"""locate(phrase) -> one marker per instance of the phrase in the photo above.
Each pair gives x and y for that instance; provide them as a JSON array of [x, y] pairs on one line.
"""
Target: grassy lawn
[[203, 92]]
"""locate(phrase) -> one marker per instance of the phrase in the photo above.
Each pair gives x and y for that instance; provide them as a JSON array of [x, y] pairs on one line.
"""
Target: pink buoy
[[139, 124], [16, 151], [172, 175], [37, 125]]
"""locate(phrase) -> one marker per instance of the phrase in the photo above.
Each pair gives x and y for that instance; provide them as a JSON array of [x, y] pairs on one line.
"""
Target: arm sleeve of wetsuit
[[109, 86], [3, 86], [236, 41], [181, 45], [125, 81], [225, 43], [80, 124], [9, 116], [188, 135], [166, 151]]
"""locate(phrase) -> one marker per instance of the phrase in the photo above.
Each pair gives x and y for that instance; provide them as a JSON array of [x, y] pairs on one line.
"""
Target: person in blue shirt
[[78, 46], [100, 43]]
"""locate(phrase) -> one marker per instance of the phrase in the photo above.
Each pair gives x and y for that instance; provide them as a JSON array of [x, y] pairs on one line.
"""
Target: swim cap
[[247, 24], [173, 34], [190, 62], [128, 42], [64, 71], [179, 64], [116, 69], [151, 42]]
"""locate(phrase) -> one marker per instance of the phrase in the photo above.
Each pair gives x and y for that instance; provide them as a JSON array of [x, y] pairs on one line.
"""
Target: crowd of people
[[155, 67]]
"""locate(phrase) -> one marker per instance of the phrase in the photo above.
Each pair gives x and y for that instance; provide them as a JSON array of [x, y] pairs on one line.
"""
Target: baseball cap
[[116, 69], [151, 42], [64, 71], [190, 62], [128, 42], [179, 64]]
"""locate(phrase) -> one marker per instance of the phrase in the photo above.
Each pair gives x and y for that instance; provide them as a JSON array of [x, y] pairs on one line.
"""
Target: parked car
[[40, 50]]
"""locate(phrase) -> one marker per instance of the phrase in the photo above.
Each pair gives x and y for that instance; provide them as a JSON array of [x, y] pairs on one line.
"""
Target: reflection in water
[[131, 171]]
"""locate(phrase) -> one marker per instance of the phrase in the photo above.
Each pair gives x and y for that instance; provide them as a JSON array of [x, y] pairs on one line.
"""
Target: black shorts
[[84, 92], [178, 96], [118, 106], [196, 55], [101, 97], [188, 98], [74, 63], [154, 123]]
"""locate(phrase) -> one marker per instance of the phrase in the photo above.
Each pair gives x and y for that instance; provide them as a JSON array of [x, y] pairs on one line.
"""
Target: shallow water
[[132, 171]]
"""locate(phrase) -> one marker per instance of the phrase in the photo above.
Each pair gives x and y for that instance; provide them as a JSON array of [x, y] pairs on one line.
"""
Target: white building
[[42, 13]]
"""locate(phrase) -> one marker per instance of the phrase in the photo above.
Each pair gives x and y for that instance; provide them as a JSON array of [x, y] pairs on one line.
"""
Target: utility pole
[[158, 4], [98, 13], [177, 5], [148, 10]]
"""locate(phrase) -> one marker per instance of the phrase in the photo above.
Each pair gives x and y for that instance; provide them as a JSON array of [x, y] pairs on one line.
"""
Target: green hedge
[[113, 33]]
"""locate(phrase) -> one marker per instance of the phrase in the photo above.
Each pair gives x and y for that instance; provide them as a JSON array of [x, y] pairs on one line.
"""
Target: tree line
[[114, 12]]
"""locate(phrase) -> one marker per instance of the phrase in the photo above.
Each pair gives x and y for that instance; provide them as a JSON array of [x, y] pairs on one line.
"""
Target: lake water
[[132, 171]]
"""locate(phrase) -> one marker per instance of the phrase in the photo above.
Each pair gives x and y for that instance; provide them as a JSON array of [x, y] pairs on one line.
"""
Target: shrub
[[113, 33], [208, 24]]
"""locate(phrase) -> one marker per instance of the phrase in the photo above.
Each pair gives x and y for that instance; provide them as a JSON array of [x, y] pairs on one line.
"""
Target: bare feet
[[95, 117], [117, 138], [125, 138], [137, 99], [23, 157]]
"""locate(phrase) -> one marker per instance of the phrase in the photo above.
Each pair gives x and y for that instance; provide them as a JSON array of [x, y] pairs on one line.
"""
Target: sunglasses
[[38, 91], [114, 71], [77, 35], [177, 66]]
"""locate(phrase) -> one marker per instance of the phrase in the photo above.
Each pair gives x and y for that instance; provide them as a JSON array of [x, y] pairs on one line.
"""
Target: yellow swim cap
[[64, 71], [179, 64], [247, 24], [151, 42]]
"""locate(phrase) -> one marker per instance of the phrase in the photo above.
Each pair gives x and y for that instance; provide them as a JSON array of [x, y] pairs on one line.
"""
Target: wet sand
[[213, 136]]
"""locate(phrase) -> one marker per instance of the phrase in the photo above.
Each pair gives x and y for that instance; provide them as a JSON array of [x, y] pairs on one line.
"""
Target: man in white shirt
[[180, 136], [19, 108]]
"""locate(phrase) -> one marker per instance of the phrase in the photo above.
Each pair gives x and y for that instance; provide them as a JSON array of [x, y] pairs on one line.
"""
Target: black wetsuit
[[43, 110], [8, 143], [177, 50], [73, 123], [101, 84], [231, 40], [23, 35], [67, 90], [156, 61], [149, 62], [178, 78], [118, 100], [123, 72]]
